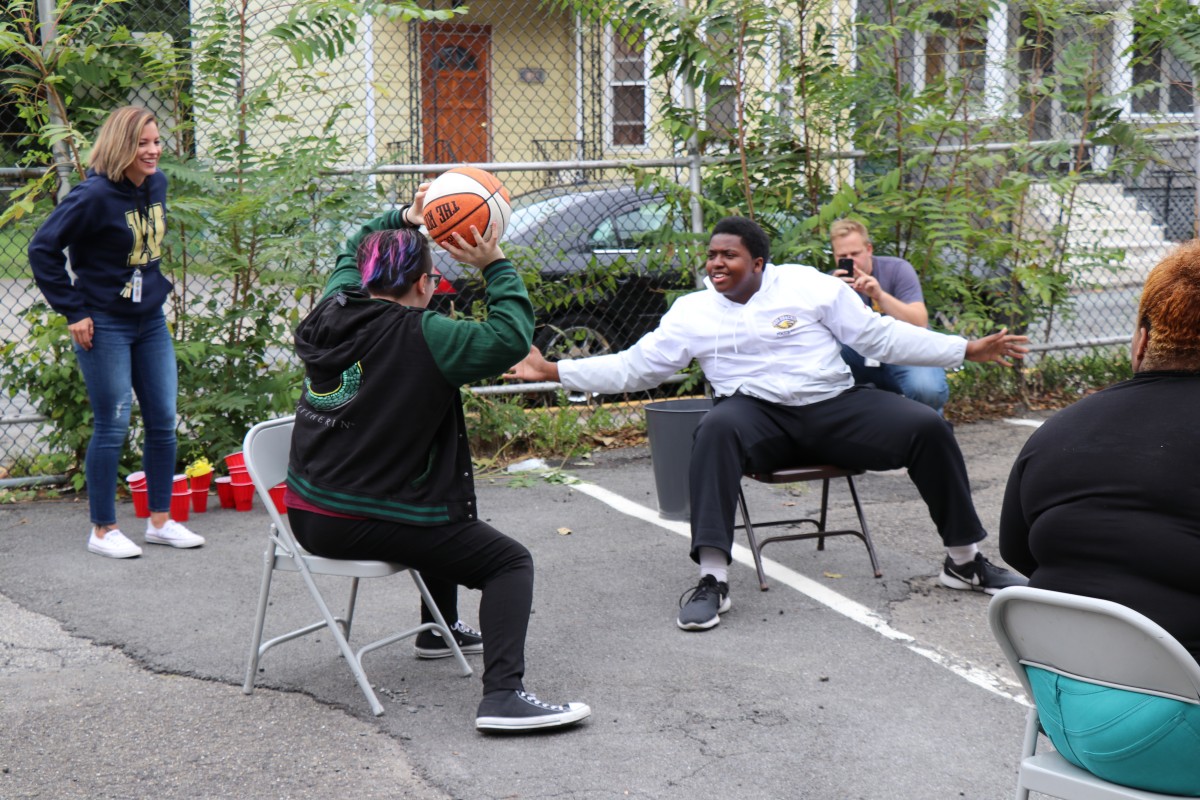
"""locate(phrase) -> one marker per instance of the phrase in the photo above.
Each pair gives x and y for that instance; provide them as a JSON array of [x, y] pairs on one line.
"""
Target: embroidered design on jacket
[[343, 394], [784, 322]]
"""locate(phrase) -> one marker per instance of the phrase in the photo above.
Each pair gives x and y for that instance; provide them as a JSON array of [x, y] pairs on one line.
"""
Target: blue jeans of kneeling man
[[924, 384]]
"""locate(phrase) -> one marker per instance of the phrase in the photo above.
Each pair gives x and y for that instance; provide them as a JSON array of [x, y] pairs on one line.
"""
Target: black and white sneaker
[[704, 605], [516, 711], [979, 575], [430, 644]]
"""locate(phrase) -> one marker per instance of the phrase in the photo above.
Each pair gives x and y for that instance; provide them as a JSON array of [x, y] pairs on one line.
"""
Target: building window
[[721, 116], [628, 87], [721, 108], [956, 52], [1162, 83], [454, 58]]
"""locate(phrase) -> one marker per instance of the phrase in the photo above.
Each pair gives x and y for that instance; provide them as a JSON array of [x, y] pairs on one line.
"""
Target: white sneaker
[[172, 534], [113, 544]]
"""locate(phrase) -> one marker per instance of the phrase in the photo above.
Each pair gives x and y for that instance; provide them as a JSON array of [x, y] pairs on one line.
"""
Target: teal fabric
[[1127, 738]]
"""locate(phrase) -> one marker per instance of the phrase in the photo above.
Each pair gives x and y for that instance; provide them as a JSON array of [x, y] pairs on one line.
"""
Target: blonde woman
[[112, 226]]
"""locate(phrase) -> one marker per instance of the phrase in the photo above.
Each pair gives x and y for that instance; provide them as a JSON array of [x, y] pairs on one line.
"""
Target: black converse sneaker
[[703, 609], [978, 575], [430, 644], [517, 710]]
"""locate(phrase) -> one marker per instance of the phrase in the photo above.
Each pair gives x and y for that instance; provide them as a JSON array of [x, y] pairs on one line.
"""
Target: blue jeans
[[129, 354], [1124, 737], [924, 384]]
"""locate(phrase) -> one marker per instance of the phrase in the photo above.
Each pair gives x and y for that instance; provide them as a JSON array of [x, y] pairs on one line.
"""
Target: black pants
[[471, 554], [862, 428]]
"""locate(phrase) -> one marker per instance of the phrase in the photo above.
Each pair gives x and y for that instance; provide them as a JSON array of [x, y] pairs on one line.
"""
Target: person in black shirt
[[1102, 503]]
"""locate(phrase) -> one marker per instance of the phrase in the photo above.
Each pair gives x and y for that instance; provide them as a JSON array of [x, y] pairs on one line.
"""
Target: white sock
[[961, 555], [714, 562]]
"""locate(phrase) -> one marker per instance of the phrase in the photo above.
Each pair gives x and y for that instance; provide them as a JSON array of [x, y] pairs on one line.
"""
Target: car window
[[533, 215], [629, 230]]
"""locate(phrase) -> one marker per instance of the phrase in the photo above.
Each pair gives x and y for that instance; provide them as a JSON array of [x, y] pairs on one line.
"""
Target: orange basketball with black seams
[[463, 197]]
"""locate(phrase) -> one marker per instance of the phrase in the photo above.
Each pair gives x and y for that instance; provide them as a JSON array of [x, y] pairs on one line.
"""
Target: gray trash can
[[670, 425]]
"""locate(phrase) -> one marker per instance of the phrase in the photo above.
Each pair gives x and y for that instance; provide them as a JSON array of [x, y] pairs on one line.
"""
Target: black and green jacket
[[379, 427]]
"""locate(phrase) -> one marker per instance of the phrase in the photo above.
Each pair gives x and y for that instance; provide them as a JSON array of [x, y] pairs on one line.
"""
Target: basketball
[[462, 197]]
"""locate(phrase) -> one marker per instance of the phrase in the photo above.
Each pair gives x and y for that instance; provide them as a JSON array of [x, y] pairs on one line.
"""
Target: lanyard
[[133, 288]]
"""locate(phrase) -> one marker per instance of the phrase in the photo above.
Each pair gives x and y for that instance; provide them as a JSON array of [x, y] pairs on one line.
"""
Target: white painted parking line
[[1029, 423], [851, 609]]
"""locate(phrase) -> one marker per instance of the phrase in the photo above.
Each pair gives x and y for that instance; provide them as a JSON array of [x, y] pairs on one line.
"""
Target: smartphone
[[848, 265]]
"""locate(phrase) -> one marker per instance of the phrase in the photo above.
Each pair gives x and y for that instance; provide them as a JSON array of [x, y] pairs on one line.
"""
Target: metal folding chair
[[266, 449], [812, 472], [1090, 640]]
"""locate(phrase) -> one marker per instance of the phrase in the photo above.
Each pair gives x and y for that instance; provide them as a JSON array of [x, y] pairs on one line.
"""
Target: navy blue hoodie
[[110, 228]]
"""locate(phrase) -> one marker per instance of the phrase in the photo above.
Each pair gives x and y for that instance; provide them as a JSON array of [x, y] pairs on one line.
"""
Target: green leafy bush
[[44, 367]]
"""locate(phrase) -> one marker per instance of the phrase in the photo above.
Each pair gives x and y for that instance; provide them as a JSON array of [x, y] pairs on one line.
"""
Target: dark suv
[[597, 262]]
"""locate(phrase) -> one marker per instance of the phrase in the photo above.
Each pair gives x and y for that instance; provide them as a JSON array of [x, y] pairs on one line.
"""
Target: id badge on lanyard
[[133, 289]]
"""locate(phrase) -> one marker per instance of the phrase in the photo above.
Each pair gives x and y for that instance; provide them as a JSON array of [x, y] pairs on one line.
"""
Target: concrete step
[[1129, 268], [1104, 219], [1132, 238]]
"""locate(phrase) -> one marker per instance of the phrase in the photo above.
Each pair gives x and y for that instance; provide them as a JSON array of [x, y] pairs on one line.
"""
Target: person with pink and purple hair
[[380, 466]]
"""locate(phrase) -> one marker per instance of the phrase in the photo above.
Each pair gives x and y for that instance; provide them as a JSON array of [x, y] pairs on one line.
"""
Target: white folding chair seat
[[266, 449], [1090, 640]]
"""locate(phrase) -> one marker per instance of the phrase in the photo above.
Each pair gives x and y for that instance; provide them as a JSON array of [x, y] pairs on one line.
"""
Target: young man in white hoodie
[[768, 338]]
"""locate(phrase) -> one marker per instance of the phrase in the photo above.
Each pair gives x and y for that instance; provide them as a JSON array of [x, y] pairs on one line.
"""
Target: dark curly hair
[[753, 237]]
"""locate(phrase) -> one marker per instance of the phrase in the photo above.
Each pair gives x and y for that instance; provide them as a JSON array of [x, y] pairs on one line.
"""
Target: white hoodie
[[783, 345]]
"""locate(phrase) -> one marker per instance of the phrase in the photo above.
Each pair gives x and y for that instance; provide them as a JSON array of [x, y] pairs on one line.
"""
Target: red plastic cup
[[225, 492], [181, 485], [235, 460], [200, 483], [240, 477], [141, 502], [180, 504], [277, 496], [243, 496], [136, 480]]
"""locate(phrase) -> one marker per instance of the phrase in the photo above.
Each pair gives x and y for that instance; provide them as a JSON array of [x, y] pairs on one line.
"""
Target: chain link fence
[[568, 112]]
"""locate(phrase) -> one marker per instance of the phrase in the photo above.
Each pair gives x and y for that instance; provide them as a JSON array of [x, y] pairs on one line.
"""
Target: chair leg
[[862, 522], [441, 621], [824, 511], [1028, 747], [350, 607], [344, 646], [753, 540], [259, 618]]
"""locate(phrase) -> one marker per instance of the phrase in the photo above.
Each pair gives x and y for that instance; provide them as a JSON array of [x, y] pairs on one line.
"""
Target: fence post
[[1196, 153]]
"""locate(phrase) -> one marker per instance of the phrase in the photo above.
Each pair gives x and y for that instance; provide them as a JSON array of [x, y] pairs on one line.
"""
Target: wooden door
[[454, 92]]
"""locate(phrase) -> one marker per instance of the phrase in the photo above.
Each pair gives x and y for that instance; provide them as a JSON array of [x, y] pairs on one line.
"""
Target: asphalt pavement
[[122, 679]]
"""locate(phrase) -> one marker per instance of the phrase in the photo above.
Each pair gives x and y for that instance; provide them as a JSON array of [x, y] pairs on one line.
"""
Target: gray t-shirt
[[896, 277]]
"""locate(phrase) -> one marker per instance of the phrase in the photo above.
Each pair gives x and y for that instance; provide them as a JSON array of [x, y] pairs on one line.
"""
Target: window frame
[[952, 57], [1162, 89], [612, 82]]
